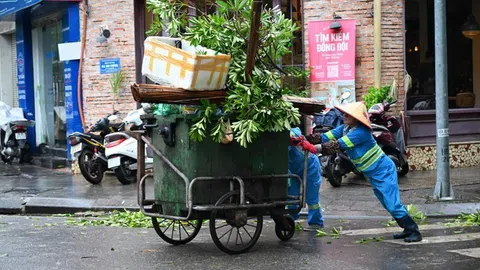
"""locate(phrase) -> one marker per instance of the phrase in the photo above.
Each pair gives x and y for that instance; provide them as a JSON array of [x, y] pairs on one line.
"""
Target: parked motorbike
[[389, 135], [88, 148], [13, 134], [336, 166], [121, 148]]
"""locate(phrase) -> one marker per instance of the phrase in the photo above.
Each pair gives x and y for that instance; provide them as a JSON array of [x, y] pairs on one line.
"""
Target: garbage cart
[[229, 186]]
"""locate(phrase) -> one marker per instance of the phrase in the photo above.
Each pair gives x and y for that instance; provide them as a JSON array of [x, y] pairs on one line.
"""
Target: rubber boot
[[415, 235], [410, 232], [406, 233]]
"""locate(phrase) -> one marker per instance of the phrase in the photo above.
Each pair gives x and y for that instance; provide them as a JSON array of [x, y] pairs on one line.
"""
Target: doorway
[[49, 85]]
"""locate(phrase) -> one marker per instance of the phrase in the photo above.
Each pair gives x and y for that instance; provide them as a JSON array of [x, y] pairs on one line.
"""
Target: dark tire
[[26, 155], [6, 159], [333, 177], [43, 149], [123, 174], [285, 234], [162, 227], [91, 170], [237, 222], [402, 171]]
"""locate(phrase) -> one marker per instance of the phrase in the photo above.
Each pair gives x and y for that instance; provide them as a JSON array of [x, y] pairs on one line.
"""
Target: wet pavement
[[47, 243], [31, 189], [38, 190]]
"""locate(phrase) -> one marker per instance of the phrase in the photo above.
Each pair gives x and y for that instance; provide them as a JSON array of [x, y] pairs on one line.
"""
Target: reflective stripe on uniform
[[367, 155], [313, 206], [330, 135], [347, 142], [376, 156]]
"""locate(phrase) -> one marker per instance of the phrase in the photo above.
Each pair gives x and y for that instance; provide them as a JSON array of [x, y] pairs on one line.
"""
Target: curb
[[43, 205], [11, 206]]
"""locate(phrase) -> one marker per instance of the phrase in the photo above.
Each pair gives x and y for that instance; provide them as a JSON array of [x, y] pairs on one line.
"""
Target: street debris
[[465, 220], [335, 234], [126, 219], [298, 226], [368, 240]]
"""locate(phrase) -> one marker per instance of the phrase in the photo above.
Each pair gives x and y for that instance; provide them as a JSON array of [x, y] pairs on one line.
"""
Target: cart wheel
[[235, 231], [176, 232], [285, 234]]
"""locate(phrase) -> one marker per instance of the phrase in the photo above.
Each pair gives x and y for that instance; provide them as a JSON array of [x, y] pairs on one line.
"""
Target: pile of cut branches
[[253, 105]]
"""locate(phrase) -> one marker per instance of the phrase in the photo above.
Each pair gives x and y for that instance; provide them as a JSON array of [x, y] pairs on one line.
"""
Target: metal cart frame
[[285, 226]]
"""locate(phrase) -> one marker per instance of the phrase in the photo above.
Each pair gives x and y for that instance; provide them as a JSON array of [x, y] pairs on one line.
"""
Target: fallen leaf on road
[[152, 250]]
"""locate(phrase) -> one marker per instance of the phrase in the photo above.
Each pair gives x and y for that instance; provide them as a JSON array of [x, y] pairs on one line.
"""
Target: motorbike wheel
[[25, 155], [91, 170], [333, 177], [402, 171], [6, 159], [125, 175]]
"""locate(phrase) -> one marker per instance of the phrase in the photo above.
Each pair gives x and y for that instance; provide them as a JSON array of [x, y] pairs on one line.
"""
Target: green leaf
[[321, 233]]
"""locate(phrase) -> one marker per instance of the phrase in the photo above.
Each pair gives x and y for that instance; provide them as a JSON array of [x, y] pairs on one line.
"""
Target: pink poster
[[332, 61]]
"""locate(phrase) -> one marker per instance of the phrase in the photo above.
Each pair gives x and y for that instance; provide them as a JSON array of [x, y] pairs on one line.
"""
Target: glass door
[[53, 90]]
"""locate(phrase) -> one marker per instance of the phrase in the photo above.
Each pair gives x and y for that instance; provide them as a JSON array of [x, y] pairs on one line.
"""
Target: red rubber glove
[[295, 141], [308, 146]]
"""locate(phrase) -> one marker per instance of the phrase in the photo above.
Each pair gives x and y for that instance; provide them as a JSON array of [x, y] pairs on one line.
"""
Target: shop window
[[420, 54], [292, 10]]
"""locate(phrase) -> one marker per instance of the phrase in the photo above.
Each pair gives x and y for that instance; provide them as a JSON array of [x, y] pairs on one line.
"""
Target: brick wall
[[392, 38], [97, 95]]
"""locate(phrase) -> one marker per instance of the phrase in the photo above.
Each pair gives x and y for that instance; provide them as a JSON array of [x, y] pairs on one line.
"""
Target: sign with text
[[332, 61], [110, 65]]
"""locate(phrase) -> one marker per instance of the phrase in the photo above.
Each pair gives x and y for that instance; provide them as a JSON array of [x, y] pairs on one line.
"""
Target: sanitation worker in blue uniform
[[355, 137], [296, 165]]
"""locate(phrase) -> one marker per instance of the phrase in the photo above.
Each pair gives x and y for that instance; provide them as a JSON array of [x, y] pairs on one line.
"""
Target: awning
[[12, 6]]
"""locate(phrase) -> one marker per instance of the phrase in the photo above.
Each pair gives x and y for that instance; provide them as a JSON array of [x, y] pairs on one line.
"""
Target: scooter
[[389, 135], [89, 150], [336, 166], [13, 134], [121, 148]]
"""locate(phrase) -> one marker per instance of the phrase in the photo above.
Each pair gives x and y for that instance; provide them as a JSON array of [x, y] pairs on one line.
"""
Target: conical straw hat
[[358, 111]]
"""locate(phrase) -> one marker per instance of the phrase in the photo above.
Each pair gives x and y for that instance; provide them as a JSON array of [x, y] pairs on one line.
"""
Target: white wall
[[6, 70]]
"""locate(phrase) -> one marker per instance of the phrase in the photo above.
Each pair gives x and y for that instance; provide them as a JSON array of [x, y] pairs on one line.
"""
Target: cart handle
[[305, 175]]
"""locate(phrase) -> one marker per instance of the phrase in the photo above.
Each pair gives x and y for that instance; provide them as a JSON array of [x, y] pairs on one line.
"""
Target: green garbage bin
[[267, 155]]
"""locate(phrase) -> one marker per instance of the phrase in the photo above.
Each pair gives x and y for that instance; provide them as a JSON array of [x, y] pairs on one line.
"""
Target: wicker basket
[[465, 100]]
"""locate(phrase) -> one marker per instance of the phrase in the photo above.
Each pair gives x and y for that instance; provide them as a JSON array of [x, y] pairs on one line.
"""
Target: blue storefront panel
[[71, 68], [26, 93], [70, 33]]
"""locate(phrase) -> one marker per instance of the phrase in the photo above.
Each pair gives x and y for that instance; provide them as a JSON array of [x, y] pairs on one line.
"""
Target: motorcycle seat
[[376, 127]]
